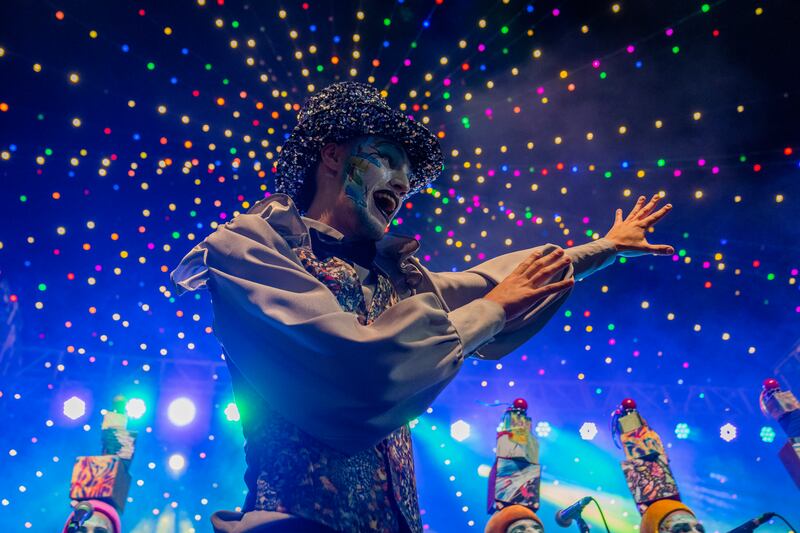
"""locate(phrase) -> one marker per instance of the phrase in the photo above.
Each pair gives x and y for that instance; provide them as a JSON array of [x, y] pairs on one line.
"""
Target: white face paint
[[97, 523], [680, 522], [376, 180], [526, 525]]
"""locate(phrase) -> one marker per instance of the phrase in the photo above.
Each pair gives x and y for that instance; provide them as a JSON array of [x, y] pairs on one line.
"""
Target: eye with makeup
[[686, 528], [387, 199]]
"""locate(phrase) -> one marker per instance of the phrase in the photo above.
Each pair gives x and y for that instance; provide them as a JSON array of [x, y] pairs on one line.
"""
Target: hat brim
[[301, 151]]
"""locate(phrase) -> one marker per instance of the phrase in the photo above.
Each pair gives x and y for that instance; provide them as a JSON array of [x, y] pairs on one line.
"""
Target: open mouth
[[386, 202]]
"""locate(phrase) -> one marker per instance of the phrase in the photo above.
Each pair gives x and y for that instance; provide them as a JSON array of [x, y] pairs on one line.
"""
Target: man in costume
[[670, 516], [515, 477], [648, 474], [104, 519], [514, 519], [100, 483], [336, 335]]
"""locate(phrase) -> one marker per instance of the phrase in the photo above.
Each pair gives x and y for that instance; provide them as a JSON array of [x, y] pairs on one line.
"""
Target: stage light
[[484, 470], [588, 431], [74, 408], [176, 462], [727, 432], [135, 408], [181, 411], [767, 434], [232, 412], [682, 430], [459, 430], [543, 429]]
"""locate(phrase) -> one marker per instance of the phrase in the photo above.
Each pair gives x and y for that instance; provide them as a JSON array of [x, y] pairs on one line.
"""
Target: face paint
[[97, 523], [680, 522], [526, 525], [372, 173]]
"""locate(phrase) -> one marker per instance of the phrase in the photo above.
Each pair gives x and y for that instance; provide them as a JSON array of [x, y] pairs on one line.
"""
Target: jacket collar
[[279, 211]]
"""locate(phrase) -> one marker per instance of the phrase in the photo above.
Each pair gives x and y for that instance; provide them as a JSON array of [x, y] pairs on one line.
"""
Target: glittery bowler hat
[[351, 109]]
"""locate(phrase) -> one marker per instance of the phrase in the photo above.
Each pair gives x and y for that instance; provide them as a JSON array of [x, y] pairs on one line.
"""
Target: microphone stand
[[582, 525]]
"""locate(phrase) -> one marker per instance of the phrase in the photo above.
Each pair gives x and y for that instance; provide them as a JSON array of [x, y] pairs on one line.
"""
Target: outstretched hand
[[629, 235], [533, 279]]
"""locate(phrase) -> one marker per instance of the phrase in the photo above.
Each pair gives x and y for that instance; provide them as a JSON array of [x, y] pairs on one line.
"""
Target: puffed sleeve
[[460, 288], [347, 384]]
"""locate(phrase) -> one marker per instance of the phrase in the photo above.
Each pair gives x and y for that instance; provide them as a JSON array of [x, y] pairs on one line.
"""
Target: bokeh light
[[176, 462]]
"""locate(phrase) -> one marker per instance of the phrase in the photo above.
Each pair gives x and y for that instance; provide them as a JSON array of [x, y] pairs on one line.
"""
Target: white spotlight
[[459, 430], [181, 411]]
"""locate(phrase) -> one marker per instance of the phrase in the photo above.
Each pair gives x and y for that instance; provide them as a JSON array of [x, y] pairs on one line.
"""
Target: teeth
[[390, 198]]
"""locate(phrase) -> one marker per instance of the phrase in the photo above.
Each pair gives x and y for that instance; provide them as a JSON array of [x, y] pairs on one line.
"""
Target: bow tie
[[324, 246]]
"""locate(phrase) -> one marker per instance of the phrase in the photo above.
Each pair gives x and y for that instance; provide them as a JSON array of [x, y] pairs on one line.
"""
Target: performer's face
[[681, 522], [376, 181], [526, 525], [97, 523]]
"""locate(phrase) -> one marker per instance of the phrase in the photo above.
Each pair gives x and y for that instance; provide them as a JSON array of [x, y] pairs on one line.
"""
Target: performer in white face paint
[[515, 476], [670, 516], [334, 332]]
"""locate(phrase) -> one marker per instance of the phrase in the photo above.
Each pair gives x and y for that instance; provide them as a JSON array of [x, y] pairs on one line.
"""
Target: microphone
[[565, 516], [751, 525], [83, 511]]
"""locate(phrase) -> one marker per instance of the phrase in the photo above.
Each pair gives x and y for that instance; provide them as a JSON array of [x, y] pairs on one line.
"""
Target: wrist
[[617, 246], [489, 297]]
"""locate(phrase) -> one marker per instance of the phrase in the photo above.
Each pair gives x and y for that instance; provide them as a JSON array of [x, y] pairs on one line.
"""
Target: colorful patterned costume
[[323, 380], [289, 471]]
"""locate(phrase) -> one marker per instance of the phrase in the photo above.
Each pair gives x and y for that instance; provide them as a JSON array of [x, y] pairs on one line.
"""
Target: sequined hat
[[351, 109]]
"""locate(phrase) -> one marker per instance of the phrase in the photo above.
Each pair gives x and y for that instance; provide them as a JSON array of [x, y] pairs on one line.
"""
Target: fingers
[[647, 209], [528, 261], [661, 249], [618, 217], [544, 261], [551, 269], [658, 215], [636, 208], [552, 288]]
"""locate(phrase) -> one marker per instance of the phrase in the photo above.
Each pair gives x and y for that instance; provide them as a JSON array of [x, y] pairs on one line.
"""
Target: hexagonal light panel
[[135, 408], [588, 430], [74, 408], [232, 412], [682, 430], [459, 430], [543, 429], [727, 432]]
